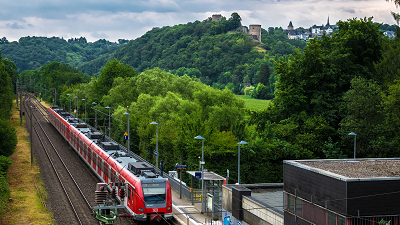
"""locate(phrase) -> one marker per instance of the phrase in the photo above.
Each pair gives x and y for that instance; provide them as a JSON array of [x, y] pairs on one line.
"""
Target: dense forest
[[30, 53], [208, 50], [8, 137]]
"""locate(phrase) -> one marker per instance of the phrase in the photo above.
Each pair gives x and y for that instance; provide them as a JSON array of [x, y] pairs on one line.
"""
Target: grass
[[25, 207], [254, 104]]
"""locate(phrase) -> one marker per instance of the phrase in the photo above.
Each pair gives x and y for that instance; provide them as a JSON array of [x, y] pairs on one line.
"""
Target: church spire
[[327, 24]]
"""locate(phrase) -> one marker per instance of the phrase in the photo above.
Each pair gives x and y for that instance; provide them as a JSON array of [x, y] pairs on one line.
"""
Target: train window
[[94, 159], [100, 164], [90, 155], [106, 169], [129, 192], [112, 176]]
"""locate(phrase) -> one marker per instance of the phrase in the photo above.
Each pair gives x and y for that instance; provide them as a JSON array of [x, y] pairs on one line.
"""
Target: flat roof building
[[342, 191]]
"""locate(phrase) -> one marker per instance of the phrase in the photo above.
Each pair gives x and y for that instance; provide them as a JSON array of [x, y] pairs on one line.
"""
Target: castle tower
[[290, 27], [216, 17], [255, 29]]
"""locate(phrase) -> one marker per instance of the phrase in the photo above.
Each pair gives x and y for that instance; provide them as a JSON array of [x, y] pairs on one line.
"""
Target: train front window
[[154, 192]]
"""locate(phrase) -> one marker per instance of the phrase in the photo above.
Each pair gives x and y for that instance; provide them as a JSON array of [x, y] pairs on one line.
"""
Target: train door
[[105, 173], [89, 158], [99, 166], [94, 158], [129, 197], [84, 151]]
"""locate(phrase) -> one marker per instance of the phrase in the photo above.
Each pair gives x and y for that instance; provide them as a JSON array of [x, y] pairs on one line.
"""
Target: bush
[[8, 138], [4, 193], [4, 164]]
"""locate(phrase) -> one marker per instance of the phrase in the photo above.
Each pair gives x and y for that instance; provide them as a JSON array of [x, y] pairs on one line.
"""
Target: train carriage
[[147, 196]]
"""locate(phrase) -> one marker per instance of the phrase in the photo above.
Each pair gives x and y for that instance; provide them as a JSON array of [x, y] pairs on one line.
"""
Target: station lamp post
[[240, 143], [127, 115], [95, 114], [85, 108], [109, 119], [69, 103], [154, 123], [355, 137], [77, 107], [202, 172]]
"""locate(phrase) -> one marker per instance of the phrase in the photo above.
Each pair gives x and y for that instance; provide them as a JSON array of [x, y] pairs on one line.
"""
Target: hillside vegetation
[[208, 50], [30, 53]]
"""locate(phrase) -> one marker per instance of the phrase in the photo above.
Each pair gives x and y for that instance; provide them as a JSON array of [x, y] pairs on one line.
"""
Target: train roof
[[133, 163]]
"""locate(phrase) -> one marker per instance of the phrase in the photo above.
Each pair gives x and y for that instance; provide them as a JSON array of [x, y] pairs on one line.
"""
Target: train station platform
[[186, 213]]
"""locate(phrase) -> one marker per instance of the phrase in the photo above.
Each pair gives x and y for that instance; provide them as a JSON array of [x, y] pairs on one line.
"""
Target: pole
[[161, 165], [70, 104], [127, 113], [55, 96], [16, 91], [85, 109], [77, 107], [180, 181], [30, 109], [157, 145], [109, 123], [355, 139], [239, 164], [20, 111], [202, 177]]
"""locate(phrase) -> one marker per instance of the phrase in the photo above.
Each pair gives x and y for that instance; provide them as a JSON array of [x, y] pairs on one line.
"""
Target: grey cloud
[[30, 25], [15, 25], [343, 9], [99, 36]]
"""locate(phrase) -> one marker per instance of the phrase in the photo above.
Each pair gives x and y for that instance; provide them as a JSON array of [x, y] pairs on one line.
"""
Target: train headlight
[[141, 209], [169, 208]]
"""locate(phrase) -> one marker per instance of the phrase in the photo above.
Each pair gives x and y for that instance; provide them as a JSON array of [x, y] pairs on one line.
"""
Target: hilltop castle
[[254, 30]]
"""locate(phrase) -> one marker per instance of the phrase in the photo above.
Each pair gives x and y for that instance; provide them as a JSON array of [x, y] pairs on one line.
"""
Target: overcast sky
[[115, 19]]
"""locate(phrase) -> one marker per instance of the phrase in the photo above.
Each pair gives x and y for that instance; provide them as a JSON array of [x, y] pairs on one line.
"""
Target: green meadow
[[254, 104]]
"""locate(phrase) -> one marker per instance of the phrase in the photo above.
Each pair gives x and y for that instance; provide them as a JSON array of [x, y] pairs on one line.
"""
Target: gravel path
[[359, 168]]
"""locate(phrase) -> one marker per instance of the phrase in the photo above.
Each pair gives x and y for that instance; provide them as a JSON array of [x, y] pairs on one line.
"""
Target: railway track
[[57, 200], [78, 205]]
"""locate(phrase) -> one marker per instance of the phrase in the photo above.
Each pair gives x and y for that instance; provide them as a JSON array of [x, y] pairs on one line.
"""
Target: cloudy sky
[[115, 19]]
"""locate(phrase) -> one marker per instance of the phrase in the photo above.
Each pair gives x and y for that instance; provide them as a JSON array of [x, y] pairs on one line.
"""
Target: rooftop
[[353, 168], [268, 195]]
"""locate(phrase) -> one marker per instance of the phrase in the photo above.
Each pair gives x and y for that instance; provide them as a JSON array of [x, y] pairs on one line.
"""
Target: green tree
[[235, 21], [111, 70], [363, 109], [5, 91], [264, 74]]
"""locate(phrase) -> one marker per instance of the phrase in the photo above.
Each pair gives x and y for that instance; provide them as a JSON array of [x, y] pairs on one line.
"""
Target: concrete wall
[[227, 199], [261, 212]]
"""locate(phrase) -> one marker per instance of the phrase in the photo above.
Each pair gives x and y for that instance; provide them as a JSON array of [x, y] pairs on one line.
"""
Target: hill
[[30, 53], [208, 50]]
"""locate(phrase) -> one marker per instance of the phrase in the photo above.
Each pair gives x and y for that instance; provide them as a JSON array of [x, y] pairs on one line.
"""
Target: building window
[[299, 206], [290, 206]]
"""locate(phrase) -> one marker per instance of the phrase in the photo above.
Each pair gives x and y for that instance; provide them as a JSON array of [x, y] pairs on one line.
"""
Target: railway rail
[[78, 203]]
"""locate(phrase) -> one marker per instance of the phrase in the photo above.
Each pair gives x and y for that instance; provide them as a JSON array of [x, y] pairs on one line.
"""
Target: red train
[[148, 195]]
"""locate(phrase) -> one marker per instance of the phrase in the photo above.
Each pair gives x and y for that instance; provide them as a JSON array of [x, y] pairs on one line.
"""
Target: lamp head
[[199, 137], [352, 133], [154, 123]]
